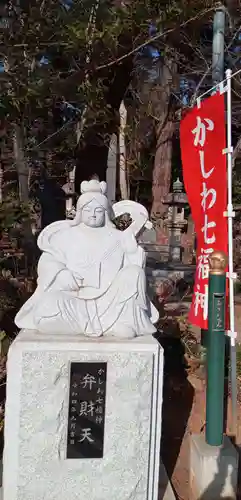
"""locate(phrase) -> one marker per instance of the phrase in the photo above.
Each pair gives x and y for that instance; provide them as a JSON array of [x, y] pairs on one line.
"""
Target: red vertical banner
[[203, 141]]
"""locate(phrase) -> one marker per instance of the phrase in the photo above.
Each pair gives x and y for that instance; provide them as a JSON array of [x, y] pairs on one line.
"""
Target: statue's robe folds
[[90, 281]]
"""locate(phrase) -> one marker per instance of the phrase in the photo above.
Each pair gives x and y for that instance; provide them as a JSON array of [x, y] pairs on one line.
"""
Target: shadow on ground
[[178, 396]]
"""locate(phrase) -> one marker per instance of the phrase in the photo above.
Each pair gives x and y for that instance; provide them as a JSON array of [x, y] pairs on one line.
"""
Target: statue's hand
[[65, 281], [79, 280]]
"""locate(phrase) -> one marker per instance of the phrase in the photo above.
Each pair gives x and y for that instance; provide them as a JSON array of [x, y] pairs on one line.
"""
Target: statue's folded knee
[[47, 309]]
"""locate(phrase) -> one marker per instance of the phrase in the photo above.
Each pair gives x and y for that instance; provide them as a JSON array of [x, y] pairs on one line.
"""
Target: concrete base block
[[213, 469], [36, 466]]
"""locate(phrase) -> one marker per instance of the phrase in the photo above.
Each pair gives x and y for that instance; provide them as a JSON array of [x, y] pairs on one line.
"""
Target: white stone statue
[[91, 277]]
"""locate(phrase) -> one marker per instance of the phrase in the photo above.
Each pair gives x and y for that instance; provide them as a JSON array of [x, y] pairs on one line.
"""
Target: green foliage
[[12, 213], [47, 29], [238, 359], [237, 185], [43, 29]]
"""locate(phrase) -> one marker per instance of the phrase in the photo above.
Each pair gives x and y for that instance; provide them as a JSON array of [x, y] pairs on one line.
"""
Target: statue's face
[[93, 214]]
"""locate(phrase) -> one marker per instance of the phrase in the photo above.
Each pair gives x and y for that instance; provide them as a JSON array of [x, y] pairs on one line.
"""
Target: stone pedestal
[[213, 469], [37, 409]]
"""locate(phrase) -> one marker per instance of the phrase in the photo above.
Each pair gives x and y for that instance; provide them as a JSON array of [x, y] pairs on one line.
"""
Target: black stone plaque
[[218, 312], [86, 419]]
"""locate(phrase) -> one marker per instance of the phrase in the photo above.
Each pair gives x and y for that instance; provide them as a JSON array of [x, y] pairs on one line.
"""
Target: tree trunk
[[123, 174], [162, 168], [29, 243], [21, 164], [164, 136], [93, 150], [1, 182]]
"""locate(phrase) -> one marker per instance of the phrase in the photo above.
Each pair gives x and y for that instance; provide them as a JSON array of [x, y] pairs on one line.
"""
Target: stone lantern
[[175, 221]]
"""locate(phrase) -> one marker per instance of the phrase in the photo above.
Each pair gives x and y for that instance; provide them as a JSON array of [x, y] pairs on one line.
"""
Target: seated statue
[[91, 277]]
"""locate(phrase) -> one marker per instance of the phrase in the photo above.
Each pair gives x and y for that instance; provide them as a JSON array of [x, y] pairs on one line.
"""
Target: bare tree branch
[[155, 38]]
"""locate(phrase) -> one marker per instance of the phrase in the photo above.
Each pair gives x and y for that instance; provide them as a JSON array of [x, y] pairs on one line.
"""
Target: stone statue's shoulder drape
[[91, 278], [50, 234]]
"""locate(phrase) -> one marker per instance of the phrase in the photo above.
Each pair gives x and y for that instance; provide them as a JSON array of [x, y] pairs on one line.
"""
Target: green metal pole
[[216, 349]]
